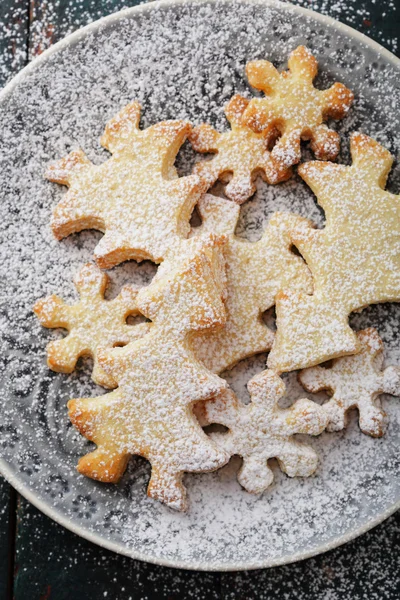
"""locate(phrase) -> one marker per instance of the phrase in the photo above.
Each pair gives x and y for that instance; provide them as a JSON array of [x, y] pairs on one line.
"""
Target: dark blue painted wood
[[52, 562], [378, 19], [365, 569], [13, 37], [4, 535]]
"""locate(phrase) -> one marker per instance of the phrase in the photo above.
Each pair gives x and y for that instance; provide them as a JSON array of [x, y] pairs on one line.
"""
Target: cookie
[[354, 260], [255, 274], [159, 379], [356, 381], [239, 153], [93, 323], [294, 107], [135, 197], [261, 430]]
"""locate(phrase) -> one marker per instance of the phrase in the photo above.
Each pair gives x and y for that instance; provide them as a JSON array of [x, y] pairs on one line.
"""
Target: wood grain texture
[[365, 569], [377, 19], [6, 541], [51, 21], [4, 503], [51, 562], [13, 37]]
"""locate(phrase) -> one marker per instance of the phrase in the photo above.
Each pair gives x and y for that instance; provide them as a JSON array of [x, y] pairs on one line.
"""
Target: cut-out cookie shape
[[93, 323], [294, 107], [159, 379], [354, 260], [240, 152], [356, 381], [135, 197], [255, 273], [261, 430]]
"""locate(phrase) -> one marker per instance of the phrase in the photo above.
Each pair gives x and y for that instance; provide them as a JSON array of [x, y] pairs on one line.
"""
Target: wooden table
[[39, 559]]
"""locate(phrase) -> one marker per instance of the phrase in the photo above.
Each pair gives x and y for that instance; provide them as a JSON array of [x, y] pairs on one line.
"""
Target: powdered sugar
[[356, 380], [262, 430], [135, 197], [184, 64]]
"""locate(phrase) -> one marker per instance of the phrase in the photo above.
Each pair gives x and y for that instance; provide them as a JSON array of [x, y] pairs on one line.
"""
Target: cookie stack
[[205, 305]]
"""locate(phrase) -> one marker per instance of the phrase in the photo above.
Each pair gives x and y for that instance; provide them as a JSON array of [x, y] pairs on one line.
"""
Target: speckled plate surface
[[180, 60]]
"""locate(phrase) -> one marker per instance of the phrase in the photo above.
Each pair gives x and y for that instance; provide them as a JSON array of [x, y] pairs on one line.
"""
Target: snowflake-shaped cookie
[[135, 197], [354, 260], [356, 381], [93, 323], [240, 153], [295, 107], [261, 430], [255, 273], [159, 379]]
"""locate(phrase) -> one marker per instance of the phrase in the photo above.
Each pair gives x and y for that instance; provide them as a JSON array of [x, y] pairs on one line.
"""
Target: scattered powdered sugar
[[181, 63], [354, 13], [48, 23]]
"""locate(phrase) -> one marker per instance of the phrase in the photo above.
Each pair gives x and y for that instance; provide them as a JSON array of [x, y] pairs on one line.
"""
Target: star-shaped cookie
[[240, 154], [93, 323], [261, 430], [356, 381], [295, 107]]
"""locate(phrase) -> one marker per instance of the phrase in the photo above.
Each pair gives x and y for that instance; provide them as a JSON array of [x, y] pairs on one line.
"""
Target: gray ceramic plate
[[180, 60]]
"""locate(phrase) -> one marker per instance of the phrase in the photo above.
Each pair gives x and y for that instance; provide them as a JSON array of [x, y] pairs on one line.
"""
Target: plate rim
[[28, 493]]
